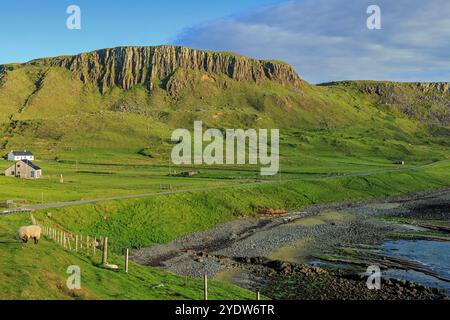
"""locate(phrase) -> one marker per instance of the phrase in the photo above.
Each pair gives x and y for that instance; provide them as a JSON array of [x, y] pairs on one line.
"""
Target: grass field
[[101, 173], [137, 223], [338, 141], [39, 272]]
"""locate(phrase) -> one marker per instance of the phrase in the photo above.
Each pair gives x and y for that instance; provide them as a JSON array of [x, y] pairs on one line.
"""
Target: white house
[[20, 155]]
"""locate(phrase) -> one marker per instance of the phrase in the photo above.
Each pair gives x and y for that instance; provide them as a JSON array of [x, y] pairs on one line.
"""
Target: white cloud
[[327, 40]]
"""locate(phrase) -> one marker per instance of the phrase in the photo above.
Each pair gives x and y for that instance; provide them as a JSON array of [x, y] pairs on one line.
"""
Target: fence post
[[258, 296], [95, 245], [81, 243], [87, 245], [76, 243], [105, 250], [126, 261], [69, 246], [205, 286]]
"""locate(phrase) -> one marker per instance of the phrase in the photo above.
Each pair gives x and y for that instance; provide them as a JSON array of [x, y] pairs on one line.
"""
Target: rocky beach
[[321, 252]]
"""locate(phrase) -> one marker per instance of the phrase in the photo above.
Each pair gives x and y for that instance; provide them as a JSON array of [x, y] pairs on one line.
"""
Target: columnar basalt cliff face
[[126, 67]]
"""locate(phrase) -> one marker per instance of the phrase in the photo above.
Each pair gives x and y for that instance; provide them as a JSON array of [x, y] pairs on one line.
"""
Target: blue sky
[[31, 29], [325, 40]]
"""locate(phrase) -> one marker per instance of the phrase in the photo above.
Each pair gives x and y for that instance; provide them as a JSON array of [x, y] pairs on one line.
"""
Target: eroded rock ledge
[[126, 67]]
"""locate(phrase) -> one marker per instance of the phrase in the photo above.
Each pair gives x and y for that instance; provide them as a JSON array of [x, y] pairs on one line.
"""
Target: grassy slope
[[51, 107], [138, 223], [324, 130], [427, 102], [39, 272]]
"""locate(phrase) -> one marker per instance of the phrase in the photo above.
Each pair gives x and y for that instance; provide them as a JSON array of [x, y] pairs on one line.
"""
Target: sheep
[[30, 232]]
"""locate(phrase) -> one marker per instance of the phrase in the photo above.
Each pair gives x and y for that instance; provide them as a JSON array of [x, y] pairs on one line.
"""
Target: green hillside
[[137, 223], [40, 273], [45, 106], [100, 124], [75, 129]]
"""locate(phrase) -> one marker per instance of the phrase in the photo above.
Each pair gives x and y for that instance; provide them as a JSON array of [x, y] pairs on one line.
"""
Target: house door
[[32, 174]]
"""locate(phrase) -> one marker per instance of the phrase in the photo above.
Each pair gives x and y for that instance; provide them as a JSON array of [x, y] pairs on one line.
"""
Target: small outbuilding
[[186, 174], [20, 155], [24, 169]]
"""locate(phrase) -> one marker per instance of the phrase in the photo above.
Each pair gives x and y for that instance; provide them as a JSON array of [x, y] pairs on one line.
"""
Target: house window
[[32, 174]]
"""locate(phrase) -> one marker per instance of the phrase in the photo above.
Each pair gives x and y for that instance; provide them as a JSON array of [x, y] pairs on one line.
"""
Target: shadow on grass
[[10, 242]]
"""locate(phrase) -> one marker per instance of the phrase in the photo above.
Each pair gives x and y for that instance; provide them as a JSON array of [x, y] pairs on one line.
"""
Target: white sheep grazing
[[30, 232]]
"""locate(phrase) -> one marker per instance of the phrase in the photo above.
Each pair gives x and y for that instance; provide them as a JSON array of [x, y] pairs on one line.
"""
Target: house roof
[[22, 153], [31, 164]]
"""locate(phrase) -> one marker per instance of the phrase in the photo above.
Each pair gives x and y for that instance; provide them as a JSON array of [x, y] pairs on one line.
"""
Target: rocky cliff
[[2, 75], [424, 101], [382, 88], [126, 67]]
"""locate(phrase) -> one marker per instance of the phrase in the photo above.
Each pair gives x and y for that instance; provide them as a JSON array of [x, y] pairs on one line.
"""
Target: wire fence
[[90, 246], [94, 247]]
